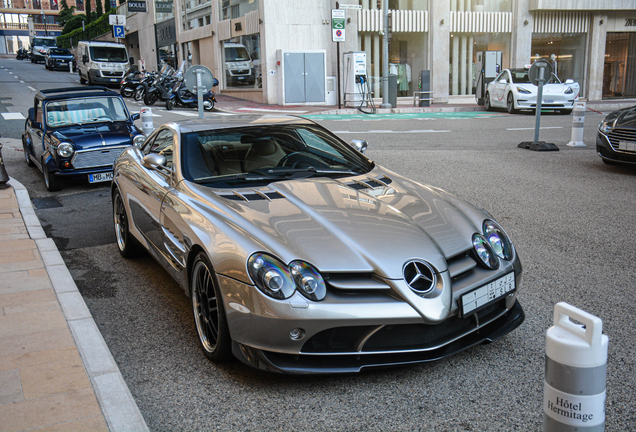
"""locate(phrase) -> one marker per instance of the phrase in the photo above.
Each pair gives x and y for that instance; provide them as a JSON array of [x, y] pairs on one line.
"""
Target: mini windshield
[[108, 54], [85, 110], [267, 153], [59, 51], [236, 53], [44, 42]]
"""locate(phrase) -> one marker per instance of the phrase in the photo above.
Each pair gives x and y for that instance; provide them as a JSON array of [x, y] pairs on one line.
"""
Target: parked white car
[[513, 91]]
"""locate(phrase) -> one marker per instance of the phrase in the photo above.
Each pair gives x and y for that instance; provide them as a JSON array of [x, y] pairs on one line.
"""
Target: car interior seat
[[265, 152]]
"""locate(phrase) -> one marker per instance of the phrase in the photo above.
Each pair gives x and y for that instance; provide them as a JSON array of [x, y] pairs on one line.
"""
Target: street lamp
[[44, 21]]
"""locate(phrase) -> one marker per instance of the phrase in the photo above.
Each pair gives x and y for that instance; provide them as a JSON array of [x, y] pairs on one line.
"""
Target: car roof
[[73, 92], [105, 44], [242, 120]]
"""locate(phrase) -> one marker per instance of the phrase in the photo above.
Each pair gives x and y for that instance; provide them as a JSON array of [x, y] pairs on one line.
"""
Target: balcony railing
[[25, 26]]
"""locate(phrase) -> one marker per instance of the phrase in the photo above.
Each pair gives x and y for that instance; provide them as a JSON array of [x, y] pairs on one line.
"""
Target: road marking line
[[31, 88], [531, 128], [13, 116], [21, 81], [272, 110], [185, 113]]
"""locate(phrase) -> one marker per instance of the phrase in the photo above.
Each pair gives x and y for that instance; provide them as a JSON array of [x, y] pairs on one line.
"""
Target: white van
[[101, 62], [39, 47], [239, 68]]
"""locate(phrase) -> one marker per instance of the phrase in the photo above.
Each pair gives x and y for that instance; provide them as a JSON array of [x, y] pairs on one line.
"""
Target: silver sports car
[[300, 255]]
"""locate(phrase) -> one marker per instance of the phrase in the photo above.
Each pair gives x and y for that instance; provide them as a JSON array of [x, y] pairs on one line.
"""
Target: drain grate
[[46, 203]]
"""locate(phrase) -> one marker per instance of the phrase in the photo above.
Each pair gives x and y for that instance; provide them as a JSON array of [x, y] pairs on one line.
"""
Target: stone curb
[[116, 402]]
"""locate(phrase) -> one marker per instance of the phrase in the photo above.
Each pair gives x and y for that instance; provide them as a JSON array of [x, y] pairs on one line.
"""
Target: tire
[[82, 80], [139, 94], [170, 103], [487, 102], [566, 111], [150, 98], [127, 245], [27, 158], [208, 311], [127, 92], [51, 181], [46, 65], [208, 105], [511, 104], [88, 79]]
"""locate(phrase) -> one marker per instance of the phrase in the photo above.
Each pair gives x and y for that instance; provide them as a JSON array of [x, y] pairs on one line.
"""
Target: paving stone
[[35, 342], [27, 298], [31, 323], [10, 386], [57, 375], [24, 280]]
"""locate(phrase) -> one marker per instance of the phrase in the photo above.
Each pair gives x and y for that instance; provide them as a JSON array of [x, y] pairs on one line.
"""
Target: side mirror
[[569, 81], [135, 116], [154, 161], [360, 145], [31, 114], [503, 81], [84, 58]]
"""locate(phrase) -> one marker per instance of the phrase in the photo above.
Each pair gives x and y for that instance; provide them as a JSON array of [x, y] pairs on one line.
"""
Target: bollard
[[578, 123], [575, 372], [70, 66], [146, 121], [4, 177]]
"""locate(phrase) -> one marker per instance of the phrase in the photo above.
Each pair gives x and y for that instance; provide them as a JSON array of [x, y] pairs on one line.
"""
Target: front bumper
[[105, 77], [612, 152], [550, 101], [59, 64]]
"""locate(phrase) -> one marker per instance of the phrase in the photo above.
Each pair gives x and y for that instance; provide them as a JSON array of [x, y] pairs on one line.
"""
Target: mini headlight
[[498, 239], [308, 281], [485, 254], [138, 140], [65, 150], [523, 90], [270, 276]]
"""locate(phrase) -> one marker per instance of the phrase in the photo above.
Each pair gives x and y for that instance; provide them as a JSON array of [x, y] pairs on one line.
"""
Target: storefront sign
[[166, 33], [630, 22], [137, 6], [163, 6]]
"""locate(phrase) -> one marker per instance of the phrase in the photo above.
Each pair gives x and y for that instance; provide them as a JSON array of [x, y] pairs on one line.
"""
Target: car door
[[152, 186], [37, 132], [500, 88]]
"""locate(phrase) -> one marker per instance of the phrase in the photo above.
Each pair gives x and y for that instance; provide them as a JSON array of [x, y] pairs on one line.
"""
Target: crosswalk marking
[[13, 116]]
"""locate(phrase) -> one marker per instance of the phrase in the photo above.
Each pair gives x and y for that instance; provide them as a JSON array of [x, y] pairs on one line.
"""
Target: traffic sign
[[118, 31], [349, 6], [117, 19], [337, 25]]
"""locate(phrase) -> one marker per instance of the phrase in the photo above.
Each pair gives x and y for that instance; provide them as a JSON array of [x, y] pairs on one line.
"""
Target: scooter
[[128, 85], [144, 84], [22, 54], [161, 87], [182, 97]]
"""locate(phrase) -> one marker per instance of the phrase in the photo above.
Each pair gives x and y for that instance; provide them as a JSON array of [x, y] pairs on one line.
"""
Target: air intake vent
[[370, 183], [254, 195]]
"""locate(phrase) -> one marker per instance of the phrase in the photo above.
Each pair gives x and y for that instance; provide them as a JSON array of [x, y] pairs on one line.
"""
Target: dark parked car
[[78, 132], [616, 138], [58, 58]]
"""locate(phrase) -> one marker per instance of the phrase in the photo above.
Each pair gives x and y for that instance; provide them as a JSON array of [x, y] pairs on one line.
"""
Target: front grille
[[401, 337], [617, 135], [112, 74], [96, 158]]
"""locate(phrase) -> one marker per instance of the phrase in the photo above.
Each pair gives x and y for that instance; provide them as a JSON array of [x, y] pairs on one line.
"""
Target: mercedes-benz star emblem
[[420, 276]]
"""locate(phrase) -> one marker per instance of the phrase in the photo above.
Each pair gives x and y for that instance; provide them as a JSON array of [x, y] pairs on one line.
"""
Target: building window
[[231, 9], [242, 62], [568, 50]]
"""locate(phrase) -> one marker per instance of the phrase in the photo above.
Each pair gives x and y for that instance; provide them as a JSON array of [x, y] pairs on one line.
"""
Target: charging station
[[355, 77], [488, 66]]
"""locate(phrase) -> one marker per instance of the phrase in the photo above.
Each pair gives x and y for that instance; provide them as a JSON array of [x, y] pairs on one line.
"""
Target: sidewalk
[[56, 372]]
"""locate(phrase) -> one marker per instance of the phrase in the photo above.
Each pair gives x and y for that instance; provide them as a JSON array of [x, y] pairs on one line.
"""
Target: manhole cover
[[46, 203]]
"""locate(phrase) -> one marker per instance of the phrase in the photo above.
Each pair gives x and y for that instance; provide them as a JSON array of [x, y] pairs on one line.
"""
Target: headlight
[[65, 150], [605, 128], [569, 90], [138, 140], [523, 90], [498, 239], [485, 254], [308, 281], [270, 276]]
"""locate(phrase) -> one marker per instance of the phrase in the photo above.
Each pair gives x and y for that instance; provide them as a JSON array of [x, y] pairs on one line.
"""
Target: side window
[[39, 116], [163, 144]]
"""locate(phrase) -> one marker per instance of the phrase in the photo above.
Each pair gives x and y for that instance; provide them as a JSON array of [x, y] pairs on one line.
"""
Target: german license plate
[[627, 145], [100, 177], [487, 294]]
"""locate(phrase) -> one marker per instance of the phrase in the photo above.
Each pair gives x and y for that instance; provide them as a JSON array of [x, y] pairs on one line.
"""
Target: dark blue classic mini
[[78, 132]]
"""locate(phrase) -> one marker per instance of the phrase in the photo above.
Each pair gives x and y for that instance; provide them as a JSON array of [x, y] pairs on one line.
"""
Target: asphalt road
[[570, 216]]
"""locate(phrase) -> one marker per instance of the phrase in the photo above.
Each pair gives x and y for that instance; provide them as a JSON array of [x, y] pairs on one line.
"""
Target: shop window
[[567, 51], [242, 62], [619, 72]]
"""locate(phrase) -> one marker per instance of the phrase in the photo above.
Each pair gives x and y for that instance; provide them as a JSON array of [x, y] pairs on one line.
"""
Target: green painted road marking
[[404, 116]]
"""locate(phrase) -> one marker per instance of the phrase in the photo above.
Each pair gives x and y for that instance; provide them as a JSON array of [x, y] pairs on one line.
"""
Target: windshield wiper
[[230, 177], [311, 170]]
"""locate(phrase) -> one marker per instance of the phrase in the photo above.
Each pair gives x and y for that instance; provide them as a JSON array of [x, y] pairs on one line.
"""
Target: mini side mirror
[[503, 81], [154, 161], [31, 114], [360, 145], [135, 116]]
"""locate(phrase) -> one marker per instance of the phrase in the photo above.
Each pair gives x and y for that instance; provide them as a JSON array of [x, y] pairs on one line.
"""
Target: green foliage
[[89, 15], [74, 23], [107, 6], [65, 14], [99, 8], [93, 30]]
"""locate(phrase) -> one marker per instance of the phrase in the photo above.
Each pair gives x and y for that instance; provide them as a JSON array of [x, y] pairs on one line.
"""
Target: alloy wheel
[[205, 306]]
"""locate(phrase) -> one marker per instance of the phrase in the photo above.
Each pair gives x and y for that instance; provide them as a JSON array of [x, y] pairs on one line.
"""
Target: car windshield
[[108, 54], [58, 51], [521, 77], [44, 42], [267, 153], [236, 53], [85, 111]]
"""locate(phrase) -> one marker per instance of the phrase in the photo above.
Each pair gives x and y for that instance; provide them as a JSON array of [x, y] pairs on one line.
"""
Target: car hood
[[550, 88], [623, 118], [353, 223], [60, 57], [96, 135]]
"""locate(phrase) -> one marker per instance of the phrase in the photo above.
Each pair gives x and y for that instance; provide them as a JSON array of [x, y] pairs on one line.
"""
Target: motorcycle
[[128, 85], [161, 87], [144, 84], [182, 97], [22, 54]]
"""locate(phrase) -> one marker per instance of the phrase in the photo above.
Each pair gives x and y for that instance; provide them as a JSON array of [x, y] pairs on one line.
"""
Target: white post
[[578, 125], [147, 125]]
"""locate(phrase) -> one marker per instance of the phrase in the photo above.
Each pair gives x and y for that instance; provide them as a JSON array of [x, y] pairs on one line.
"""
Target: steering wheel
[[301, 160]]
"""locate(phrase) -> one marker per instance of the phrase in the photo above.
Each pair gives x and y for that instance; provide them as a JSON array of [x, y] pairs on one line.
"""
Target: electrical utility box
[[355, 76], [488, 66]]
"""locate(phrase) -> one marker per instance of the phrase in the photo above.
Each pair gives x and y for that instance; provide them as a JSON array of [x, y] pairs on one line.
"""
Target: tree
[[66, 13], [99, 8], [73, 23], [89, 15], [107, 6]]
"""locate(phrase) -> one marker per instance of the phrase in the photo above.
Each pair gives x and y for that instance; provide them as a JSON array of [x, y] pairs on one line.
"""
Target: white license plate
[[100, 177], [627, 145], [113, 79], [549, 101], [487, 294]]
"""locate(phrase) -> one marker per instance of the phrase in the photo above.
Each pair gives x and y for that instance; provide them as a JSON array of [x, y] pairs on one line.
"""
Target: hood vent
[[370, 183], [254, 195]]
